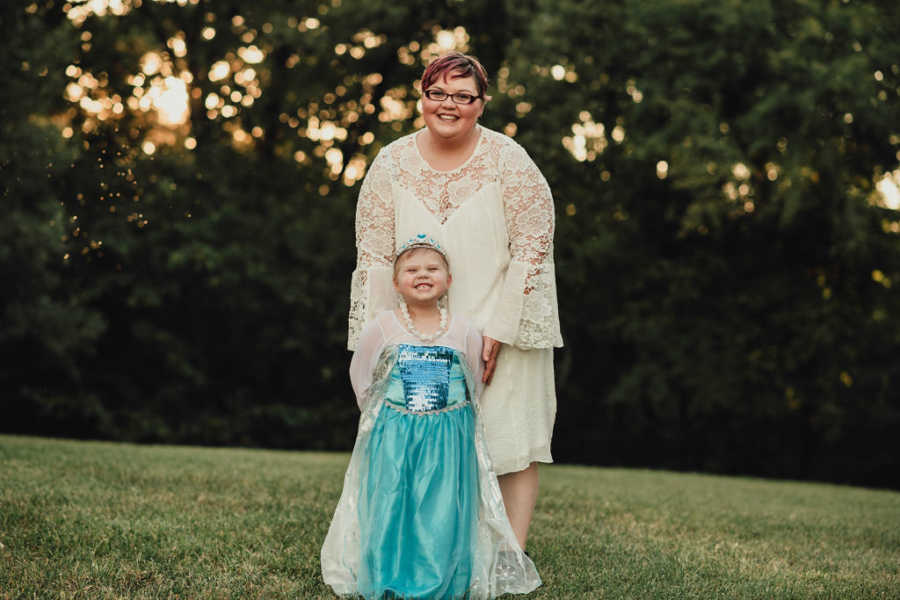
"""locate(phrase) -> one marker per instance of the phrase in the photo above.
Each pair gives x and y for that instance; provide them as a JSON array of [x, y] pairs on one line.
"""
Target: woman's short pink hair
[[455, 65]]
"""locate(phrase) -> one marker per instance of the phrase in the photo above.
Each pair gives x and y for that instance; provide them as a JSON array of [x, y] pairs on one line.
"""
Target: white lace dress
[[494, 217]]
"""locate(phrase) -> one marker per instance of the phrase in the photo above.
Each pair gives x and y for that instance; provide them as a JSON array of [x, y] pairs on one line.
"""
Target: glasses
[[457, 98]]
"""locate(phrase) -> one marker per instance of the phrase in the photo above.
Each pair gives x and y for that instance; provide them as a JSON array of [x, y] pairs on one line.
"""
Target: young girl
[[421, 515]]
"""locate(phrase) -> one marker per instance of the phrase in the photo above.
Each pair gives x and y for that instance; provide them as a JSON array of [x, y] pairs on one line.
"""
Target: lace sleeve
[[527, 315], [371, 287]]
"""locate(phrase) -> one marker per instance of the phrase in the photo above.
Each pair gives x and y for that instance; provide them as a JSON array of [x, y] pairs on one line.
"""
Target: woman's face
[[449, 120]]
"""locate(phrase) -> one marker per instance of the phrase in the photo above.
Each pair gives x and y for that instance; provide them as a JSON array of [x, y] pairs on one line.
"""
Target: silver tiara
[[421, 240]]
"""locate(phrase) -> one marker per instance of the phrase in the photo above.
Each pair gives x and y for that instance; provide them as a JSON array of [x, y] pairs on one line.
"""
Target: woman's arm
[[371, 288], [527, 315]]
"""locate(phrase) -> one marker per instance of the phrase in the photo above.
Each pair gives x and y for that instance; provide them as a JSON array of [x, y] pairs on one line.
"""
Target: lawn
[[106, 520]]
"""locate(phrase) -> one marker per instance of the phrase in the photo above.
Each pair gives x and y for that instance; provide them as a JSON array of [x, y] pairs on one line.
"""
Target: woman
[[485, 199]]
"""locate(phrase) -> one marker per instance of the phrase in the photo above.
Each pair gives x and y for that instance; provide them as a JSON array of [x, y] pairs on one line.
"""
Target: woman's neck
[[446, 154], [460, 143]]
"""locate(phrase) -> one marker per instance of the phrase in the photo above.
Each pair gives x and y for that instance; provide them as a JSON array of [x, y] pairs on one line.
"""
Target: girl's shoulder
[[378, 326], [384, 318], [463, 326], [462, 320]]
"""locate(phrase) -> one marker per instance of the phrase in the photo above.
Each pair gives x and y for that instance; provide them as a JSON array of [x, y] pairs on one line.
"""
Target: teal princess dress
[[421, 515]]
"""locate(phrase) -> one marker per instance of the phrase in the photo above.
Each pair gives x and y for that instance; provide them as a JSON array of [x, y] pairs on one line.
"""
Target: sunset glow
[[588, 139], [889, 190], [171, 101]]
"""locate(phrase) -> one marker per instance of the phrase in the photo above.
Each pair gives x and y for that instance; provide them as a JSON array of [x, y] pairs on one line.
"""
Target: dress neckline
[[420, 342], [415, 142]]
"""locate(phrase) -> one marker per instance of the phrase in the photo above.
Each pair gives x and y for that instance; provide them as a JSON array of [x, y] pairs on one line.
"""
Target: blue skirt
[[418, 505]]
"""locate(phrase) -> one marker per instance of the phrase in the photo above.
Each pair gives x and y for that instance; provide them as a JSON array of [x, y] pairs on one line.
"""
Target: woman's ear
[[484, 102]]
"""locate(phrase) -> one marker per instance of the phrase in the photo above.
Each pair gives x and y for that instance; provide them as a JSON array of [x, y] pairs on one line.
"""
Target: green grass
[[104, 520]]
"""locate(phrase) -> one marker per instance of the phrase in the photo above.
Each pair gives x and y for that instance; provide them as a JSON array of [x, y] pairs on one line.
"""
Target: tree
[[180, 191], [724, 261]]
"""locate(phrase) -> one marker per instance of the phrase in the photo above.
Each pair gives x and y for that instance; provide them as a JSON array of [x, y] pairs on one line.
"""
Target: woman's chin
[[448, 129]]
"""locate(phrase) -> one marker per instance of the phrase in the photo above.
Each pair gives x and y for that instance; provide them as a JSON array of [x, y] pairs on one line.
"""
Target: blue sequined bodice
[[426, 378]]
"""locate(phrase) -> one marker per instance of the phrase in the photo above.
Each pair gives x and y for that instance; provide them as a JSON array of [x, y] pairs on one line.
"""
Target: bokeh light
[[888, 190]]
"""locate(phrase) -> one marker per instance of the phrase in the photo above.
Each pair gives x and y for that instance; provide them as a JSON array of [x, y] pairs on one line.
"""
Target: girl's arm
[[371, 288], [362, 365], [473, 357]]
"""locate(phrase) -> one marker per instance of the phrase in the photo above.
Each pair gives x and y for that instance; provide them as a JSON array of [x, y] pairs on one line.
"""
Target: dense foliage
[[725, 264]]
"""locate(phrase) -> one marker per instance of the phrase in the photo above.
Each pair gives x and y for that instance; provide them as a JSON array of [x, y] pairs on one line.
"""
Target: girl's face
[[449, 120], [421, 277]]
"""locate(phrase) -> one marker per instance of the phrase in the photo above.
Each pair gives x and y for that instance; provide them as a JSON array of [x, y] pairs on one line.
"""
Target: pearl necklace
[[441, 330]]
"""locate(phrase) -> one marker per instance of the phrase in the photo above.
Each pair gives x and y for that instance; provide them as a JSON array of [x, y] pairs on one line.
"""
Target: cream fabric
[[494, 217]]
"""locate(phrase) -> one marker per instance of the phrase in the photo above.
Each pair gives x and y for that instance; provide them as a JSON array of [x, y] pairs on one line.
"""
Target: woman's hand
[[489, 355]]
